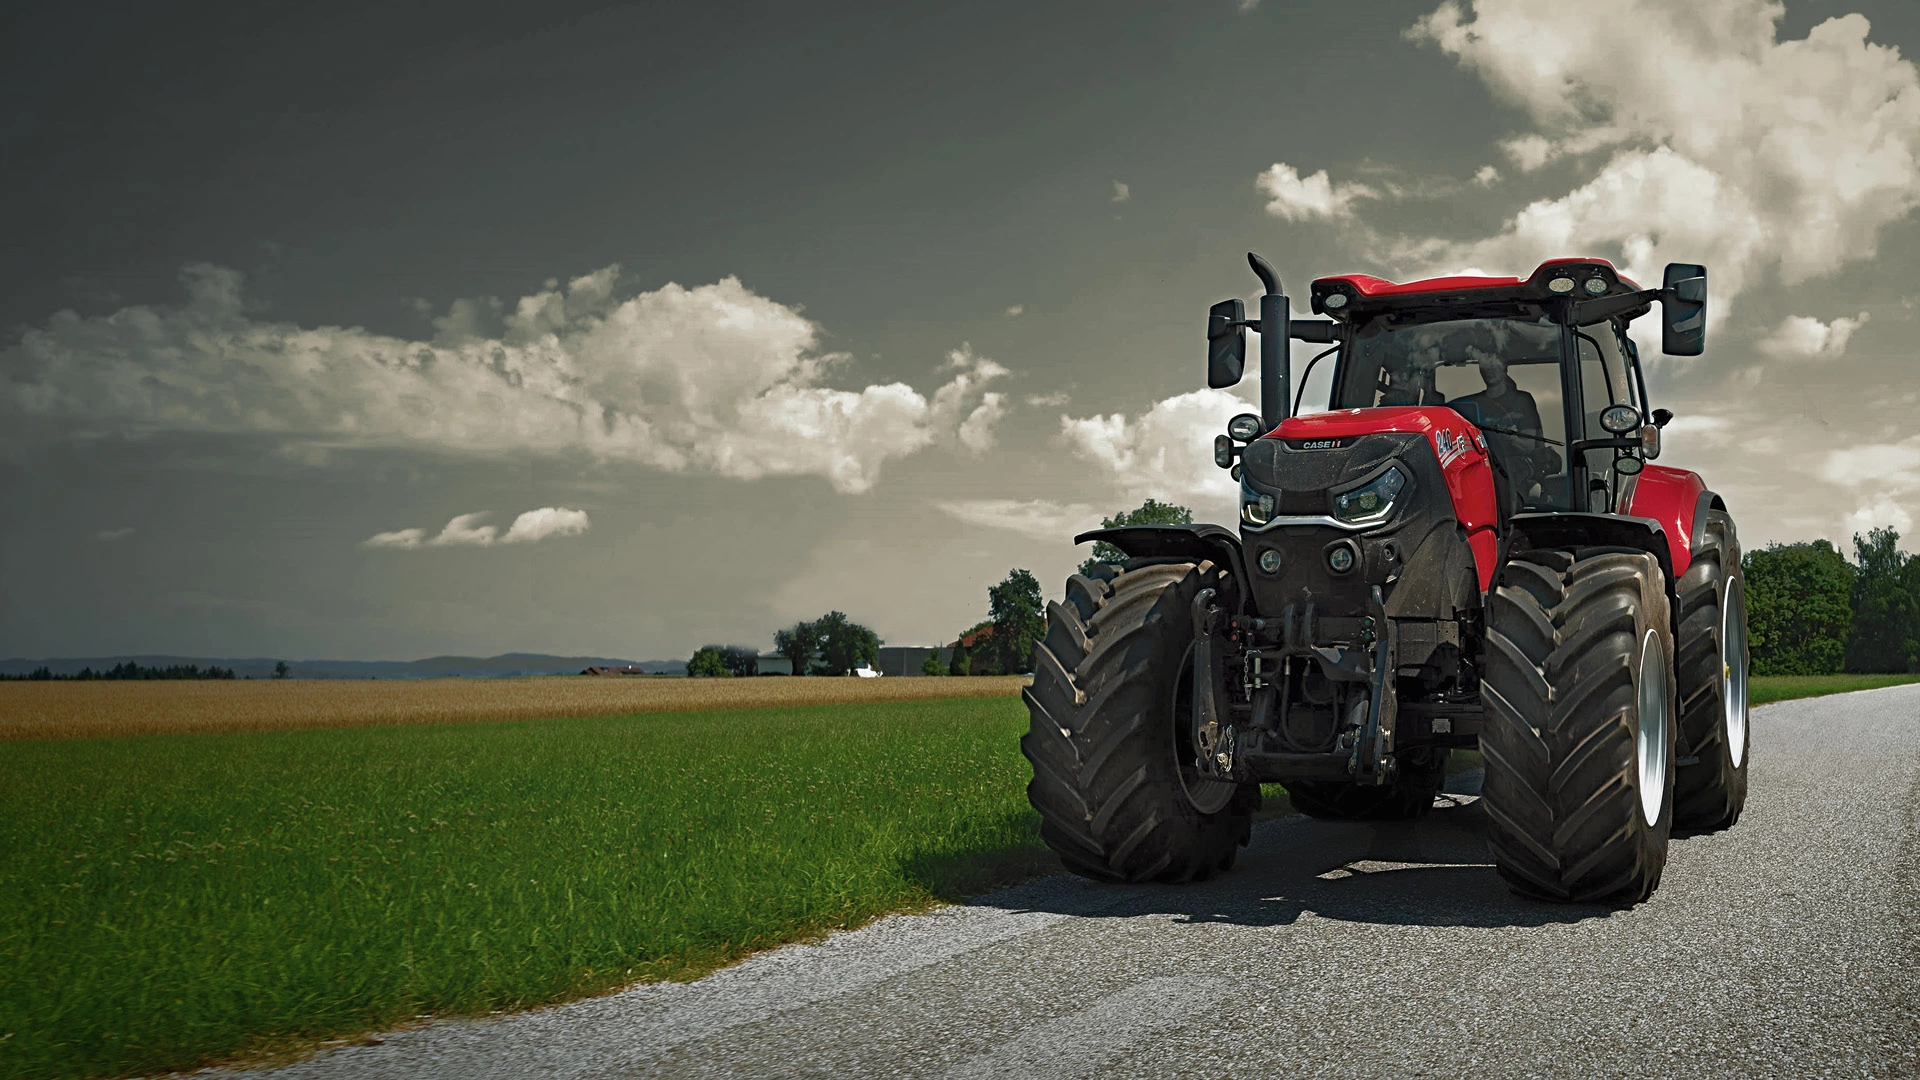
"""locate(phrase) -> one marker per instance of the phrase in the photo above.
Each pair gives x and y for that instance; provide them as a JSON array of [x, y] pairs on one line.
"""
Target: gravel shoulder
[[1786, 946]]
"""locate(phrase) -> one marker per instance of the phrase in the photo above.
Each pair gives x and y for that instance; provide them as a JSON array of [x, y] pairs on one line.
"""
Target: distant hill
[[433, 667]]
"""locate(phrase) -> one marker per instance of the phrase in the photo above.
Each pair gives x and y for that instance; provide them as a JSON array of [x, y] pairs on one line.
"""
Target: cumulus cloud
[[976, 431], [1702, 427], [711, 379], [1799, 337], [1882, 512], [1891, 466], [1165, 453], [1121, 193], [1722, 144], [1015, 311], [1486, 176], [536, 525], [1297, 198], [1036, 518], [110, 535], [466, 530], [399, 538]]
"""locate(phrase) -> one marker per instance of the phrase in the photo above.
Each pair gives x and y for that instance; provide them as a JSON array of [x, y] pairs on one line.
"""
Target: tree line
[[1016, 620], [1812, 612], [127, 670], [829, 645], [1000, 644]]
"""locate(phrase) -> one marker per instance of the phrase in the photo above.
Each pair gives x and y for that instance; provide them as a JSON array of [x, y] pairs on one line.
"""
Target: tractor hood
[[1450, 434]]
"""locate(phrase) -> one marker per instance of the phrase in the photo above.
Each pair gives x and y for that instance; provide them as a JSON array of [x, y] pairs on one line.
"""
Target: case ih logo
[[1319, 444]]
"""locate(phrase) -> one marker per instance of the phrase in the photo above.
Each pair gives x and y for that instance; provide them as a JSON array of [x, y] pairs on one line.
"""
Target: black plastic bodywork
[[1194, 542]]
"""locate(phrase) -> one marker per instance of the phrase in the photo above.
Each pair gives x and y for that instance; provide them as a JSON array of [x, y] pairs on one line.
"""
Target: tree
[[1885, 635], [1150, 512], [740, 660], [280, 669], [844, 644], [961, 662], [932, 665], [1799, 608], [709, 662], [797, 643], [1019, 618], [981, 657]]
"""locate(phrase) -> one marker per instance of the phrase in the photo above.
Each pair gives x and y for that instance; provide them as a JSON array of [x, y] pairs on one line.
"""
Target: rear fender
[[1599, 530], [1194, 542]]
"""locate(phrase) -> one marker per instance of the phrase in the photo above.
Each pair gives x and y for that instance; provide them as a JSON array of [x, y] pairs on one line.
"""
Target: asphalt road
[[1787, 946]]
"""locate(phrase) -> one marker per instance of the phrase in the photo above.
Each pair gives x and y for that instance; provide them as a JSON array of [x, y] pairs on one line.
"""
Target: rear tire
[[1580, 725], [1111, 701], [1711, 674], [1409, 796]]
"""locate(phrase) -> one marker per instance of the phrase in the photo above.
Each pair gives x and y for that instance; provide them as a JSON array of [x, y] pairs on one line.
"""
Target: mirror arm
[[1314, 331], [1606, 307]]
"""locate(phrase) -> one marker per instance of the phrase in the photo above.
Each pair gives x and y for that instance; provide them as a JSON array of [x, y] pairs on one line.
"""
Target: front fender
[[1568, 529], [1176, 541]]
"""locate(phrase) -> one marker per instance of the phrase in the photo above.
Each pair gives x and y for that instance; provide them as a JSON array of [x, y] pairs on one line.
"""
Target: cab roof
[[1363, 295]]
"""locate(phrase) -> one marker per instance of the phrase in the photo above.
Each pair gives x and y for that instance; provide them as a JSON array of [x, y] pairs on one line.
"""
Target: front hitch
[[1372, 761], [1216, 745]]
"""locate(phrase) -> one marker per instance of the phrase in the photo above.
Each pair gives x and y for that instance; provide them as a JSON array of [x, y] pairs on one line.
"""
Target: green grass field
[[171, 900], [1765, 688]]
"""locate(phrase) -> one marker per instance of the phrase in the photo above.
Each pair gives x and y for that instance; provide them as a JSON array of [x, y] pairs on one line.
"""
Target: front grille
[[1302, 503]]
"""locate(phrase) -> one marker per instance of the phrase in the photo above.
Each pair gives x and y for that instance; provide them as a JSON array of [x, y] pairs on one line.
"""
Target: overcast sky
[[380, 331]]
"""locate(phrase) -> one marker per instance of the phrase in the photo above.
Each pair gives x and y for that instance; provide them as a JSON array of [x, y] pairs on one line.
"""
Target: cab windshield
[[1502, 374]]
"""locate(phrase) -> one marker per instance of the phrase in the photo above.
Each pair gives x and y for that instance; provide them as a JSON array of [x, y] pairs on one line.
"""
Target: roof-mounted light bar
[[1353, 296]]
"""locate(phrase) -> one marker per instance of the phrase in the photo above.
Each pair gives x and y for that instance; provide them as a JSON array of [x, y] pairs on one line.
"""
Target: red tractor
[[1469, 549]]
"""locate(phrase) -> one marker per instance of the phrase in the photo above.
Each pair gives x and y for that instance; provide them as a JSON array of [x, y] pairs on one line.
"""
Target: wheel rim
[[1733, 655], [1207, 796], [1651, 736]]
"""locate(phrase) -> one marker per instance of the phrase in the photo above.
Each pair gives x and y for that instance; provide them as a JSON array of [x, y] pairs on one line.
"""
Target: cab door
[[1602, 376]]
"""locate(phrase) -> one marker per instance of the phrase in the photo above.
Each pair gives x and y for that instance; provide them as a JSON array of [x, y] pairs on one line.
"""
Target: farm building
[[908, 660], [898, 661]]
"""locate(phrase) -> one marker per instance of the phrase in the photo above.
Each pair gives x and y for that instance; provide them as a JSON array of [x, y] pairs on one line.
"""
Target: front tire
[[1580, 725], [1111, 704], [1712, 678]]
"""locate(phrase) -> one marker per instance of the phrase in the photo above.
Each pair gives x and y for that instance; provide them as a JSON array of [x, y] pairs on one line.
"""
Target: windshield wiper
[[1522, 434]]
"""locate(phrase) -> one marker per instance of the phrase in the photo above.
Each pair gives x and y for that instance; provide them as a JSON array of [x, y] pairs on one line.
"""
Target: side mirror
[[1683, 302], [1661, 416], [1226, 343]]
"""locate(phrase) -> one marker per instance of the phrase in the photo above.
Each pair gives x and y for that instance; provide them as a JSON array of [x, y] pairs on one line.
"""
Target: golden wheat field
[[83, 710]]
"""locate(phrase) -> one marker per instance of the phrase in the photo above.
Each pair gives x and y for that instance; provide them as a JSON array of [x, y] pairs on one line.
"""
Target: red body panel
[[1373, 286], [1669, 496], [1459, 446], [1368, 286]]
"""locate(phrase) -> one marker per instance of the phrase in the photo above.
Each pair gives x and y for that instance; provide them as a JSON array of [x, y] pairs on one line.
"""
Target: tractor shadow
[[1433, 871]]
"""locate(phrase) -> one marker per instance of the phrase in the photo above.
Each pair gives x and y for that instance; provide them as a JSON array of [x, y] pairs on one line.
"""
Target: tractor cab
[[1543, 367]]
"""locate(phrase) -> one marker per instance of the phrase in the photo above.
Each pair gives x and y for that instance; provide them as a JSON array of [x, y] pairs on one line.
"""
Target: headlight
[[1255, 508], [1370, 502]]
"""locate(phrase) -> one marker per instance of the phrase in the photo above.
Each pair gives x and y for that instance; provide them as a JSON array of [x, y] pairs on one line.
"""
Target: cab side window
[[1605, 379]]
